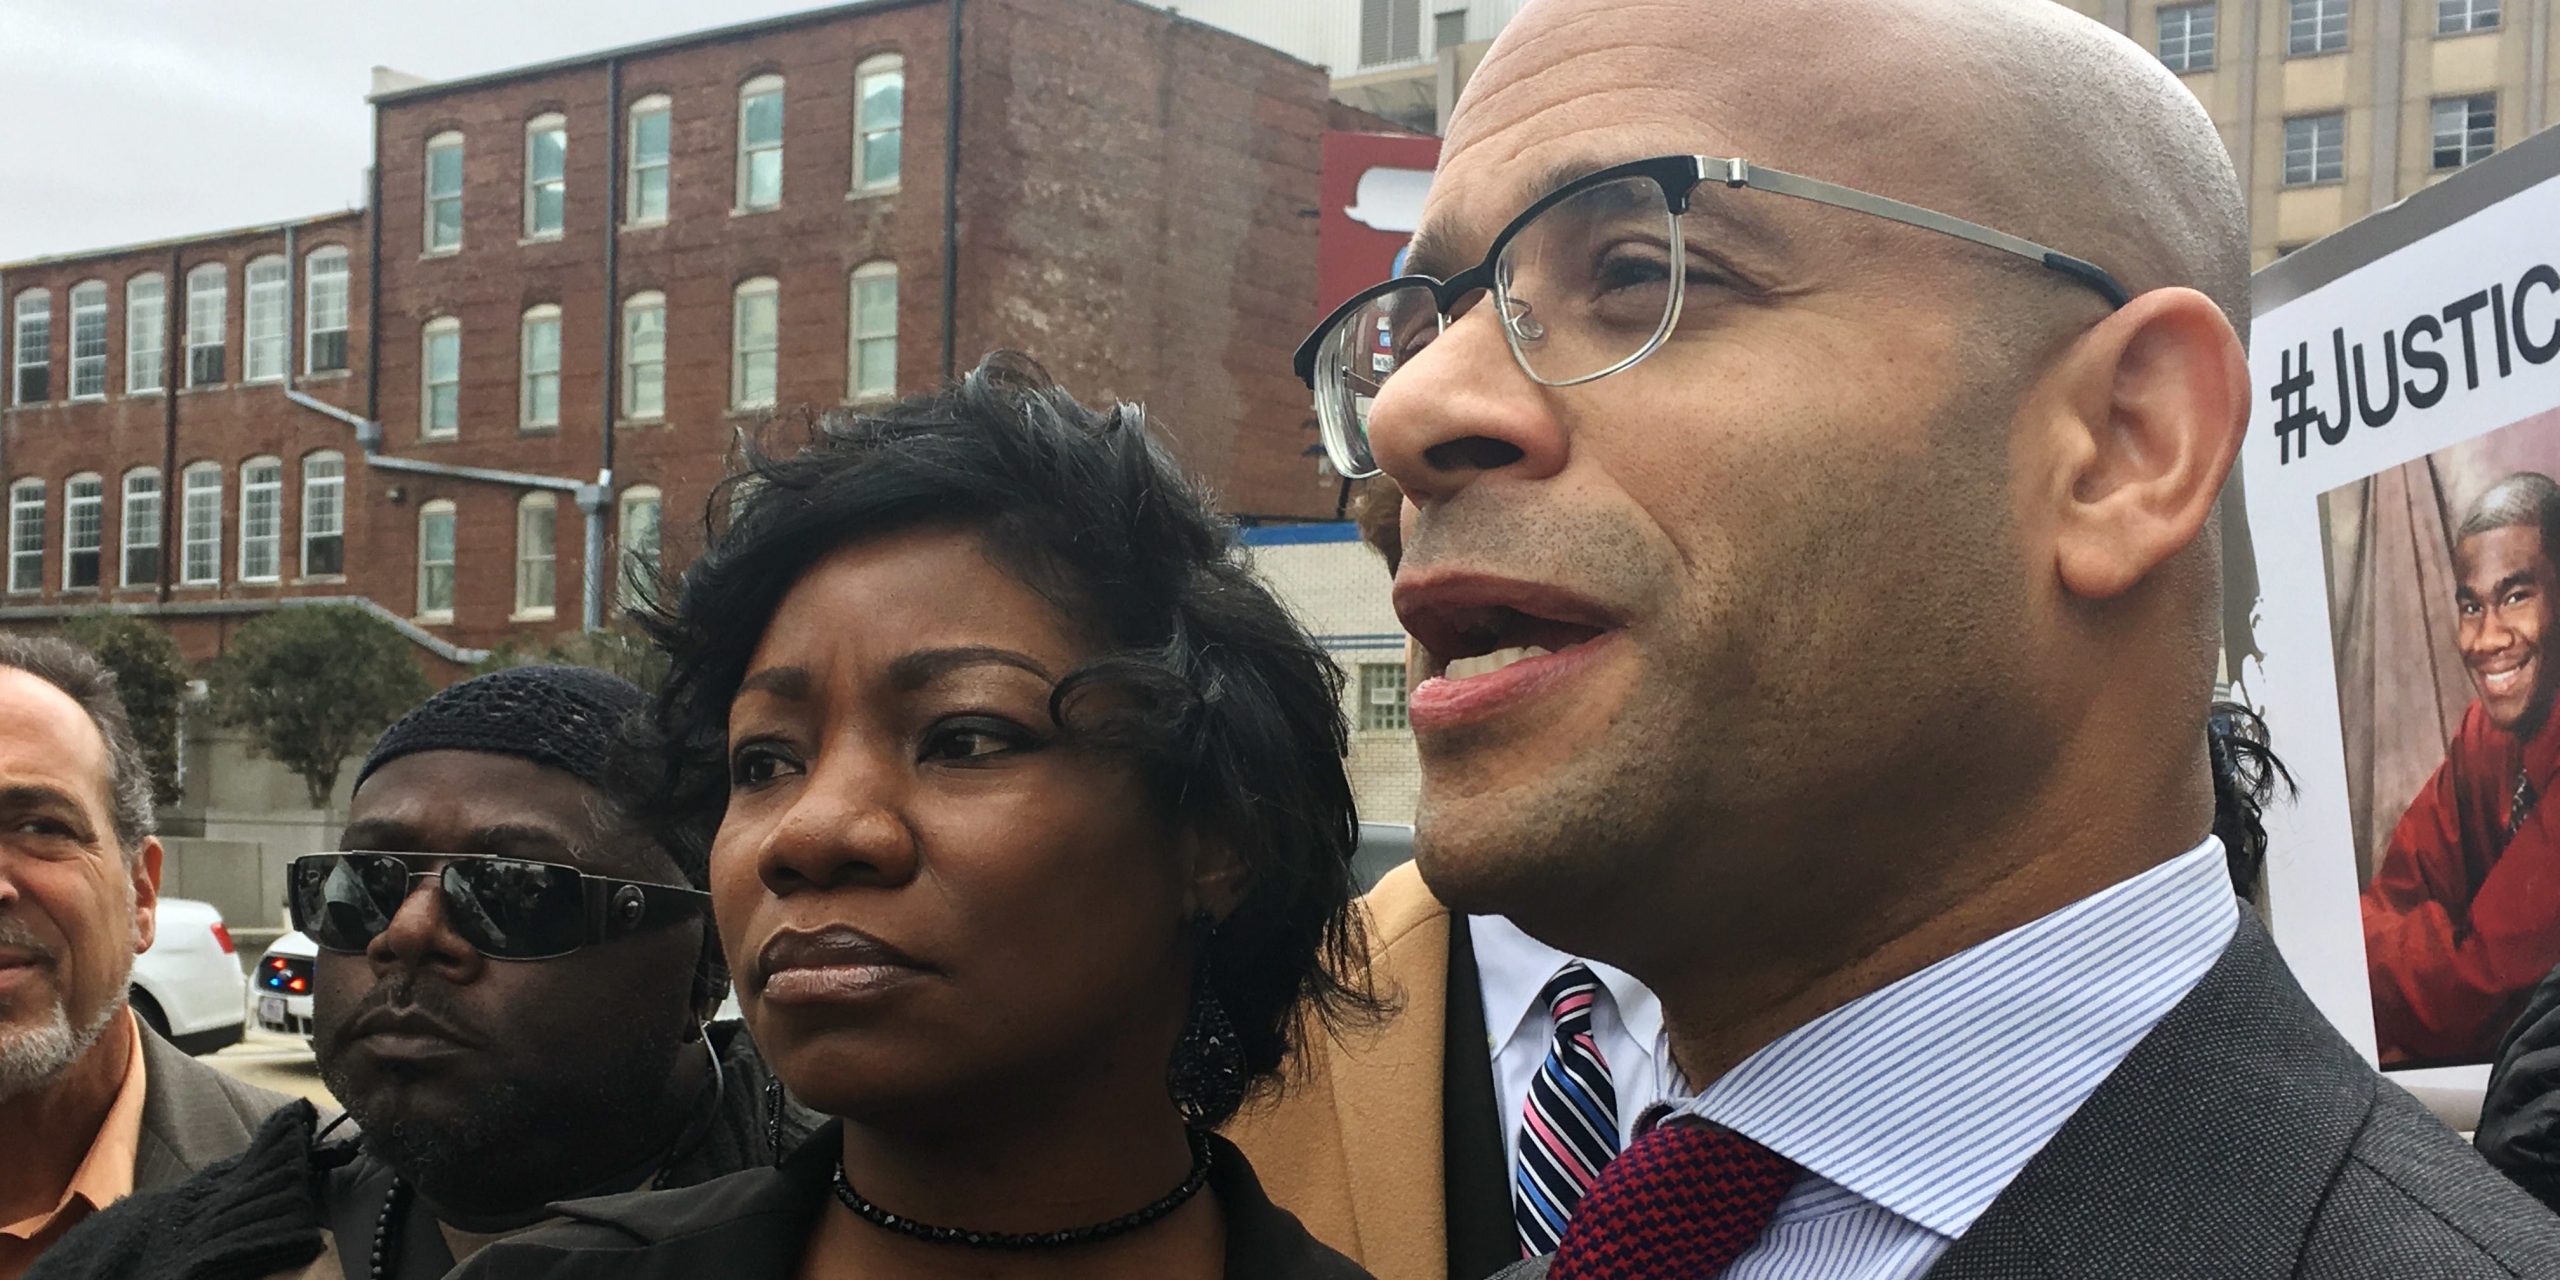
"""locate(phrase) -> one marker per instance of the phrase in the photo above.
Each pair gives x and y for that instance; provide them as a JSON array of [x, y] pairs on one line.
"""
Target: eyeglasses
[[506, 908], [1586, 283]]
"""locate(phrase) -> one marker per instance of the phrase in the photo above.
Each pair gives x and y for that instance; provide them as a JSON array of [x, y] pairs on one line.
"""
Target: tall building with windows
[[498, 398]]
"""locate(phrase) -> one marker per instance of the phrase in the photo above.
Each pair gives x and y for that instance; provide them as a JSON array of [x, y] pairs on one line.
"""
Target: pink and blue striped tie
[[1569, 1129]]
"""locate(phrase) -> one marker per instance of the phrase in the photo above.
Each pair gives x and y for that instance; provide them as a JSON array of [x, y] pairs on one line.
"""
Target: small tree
[[315, 685], [152, 680], [621, 652]]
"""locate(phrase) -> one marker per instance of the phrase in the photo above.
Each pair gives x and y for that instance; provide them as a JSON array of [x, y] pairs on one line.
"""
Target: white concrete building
[[1338, 588]]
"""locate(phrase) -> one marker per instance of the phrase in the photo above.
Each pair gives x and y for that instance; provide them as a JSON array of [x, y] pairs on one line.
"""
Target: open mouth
[[1468, 643], [2503, 677], [1487, 644]]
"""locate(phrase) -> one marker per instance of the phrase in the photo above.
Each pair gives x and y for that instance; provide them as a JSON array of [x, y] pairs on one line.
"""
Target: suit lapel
[[1482, 1239], [2206, 1152], [1391, 1123]]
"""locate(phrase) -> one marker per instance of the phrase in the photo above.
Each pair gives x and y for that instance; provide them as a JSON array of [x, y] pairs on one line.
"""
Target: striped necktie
[[1569, 1129]]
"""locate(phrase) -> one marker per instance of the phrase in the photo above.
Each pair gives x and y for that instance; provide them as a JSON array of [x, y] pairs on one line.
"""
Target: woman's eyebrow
[[924, 666]]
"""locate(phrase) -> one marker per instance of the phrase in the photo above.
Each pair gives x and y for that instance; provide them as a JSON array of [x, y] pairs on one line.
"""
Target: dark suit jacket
[[192, 1115], [2244, 1140]]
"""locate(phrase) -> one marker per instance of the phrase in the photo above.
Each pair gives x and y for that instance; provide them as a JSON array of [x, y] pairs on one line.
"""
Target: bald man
[[1812, 541]]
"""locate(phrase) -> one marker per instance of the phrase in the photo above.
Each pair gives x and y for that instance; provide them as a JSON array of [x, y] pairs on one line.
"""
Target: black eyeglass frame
[[1679, 177], [611, 908]]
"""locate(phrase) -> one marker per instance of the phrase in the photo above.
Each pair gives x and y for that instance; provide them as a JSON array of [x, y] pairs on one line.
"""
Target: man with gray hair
[[94, 1105], [2462, 917]]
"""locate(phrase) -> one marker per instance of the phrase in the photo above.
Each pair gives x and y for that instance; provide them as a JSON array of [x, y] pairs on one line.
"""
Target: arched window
[[760, 144], [649, 177], [264, 341], [208, 305], [755, 341], [200, 525], [644, 356], [141, 527], [444, 193], [89, 340], [34, 367], [643, 557], [440, 379], [261, 520], [26, 535], [84, 527], [538, 356], [873, 361], [879, 121], [324, 514], [546, 176], [435, 562], [324, 324], [537, 554], [146, 335]]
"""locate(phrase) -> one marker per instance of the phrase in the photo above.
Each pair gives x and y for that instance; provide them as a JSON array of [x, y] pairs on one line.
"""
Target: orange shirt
[[105, 1175]]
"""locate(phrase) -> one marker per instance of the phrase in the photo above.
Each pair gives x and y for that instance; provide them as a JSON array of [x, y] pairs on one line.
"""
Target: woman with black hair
[[1032, 856]]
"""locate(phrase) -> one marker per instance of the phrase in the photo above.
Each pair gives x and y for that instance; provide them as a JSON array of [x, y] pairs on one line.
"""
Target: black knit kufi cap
[[564, 717]]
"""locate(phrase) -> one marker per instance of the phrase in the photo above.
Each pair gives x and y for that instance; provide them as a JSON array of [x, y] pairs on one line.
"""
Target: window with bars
[[444, 193], [537, 554], [435, 561], [2466, 129], [32, 370], [1382, 696], [875, 331], [756, 339], [2316, 26], [84, 530], [546, 177], [879, 120], [141, 527], [324, 515], [643, 554], [2315, 149], [89, 340], [200, 525], [261, 520], [650, 120], [208, 301], [539, 354], [2187, 36], [146, 326], [644, 357], [2461, 17], [324, 336], [1390, 31], [440, 379], [26, 535], [263, 341], [760, 144]]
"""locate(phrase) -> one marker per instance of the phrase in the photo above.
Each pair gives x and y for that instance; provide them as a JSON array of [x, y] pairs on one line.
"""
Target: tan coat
[[1353, 1146]]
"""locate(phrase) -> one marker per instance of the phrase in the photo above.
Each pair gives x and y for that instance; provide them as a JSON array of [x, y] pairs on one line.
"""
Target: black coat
[[755, 1226], [2520, 1119]]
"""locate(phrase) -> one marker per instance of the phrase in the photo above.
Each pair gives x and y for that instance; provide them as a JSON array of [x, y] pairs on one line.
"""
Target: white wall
[[1339, 591], [1327, 32]]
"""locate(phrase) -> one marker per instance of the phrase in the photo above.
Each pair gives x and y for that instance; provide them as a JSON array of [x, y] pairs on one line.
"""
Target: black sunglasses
[[506, 908]]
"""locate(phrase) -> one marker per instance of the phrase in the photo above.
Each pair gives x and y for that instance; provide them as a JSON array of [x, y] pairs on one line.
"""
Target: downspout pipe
[[951, 202], [369, 436], [172, 296], [591, 616]]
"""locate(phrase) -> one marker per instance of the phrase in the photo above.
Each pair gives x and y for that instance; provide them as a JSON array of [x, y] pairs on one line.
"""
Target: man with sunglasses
[[1812, 415], [514, 982]]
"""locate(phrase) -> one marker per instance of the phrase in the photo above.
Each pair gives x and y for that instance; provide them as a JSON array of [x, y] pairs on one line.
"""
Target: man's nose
[[420, 937], [1461, 408]]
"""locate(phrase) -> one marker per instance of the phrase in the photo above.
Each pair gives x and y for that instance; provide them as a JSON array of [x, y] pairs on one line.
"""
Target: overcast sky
[[132, 120]]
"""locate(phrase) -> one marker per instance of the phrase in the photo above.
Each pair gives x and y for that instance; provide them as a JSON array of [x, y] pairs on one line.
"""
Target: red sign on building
[[1372, 189]]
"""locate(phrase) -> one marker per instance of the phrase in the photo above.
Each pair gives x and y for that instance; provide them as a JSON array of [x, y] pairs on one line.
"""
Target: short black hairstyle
[[1229, 710], [2528, 499], [2246, 775], [64, 664]]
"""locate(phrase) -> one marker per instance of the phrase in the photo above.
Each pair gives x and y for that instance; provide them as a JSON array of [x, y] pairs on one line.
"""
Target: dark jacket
[[263, 1211], [192, 1115], [2520, 1118], [755, 1225], [2244, 1140]]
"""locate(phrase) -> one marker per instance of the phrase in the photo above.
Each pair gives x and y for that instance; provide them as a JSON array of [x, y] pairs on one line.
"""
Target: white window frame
[[741, 355], [146, 334], [637, 167], [2324, 21], [535, 184], [26, 535], [1390, 714], [2464, 17], [868, 132], [266, 343], [327, 304], [752, 89], [537, 557], [200, 485], [208, 321], [429, 382], [858, 336], [426, 568], [155, 501], [632, 362], [33, 308], [640, 565], [2184, 48], [451, 140], [2312, 172], [262, 485], [2465, 137], [529, 376], [89, 313], [94, 507], [324, 509]]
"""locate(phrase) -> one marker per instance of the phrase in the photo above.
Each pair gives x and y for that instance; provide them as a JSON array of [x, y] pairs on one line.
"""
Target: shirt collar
[[1928, 1097], [105, 1174], [1512, 968]]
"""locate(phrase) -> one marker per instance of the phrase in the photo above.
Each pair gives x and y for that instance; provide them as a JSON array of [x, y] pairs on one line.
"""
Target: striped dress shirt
[[1913, 1107]]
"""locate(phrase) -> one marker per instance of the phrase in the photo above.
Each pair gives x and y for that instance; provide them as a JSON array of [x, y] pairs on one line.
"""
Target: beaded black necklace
[[1023, 1240]]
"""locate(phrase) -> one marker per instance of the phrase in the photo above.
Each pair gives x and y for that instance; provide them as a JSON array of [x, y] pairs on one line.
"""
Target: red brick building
[[577, 283]]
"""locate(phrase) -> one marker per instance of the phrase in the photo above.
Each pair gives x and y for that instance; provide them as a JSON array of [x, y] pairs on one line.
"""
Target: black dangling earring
[[1207, 1076]]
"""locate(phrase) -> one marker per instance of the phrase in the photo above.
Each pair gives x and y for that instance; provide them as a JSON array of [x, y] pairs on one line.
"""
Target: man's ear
[[146, 894], [2144, 420]]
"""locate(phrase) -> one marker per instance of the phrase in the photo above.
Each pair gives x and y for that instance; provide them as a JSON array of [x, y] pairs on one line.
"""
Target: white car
[[283, 985], [188, 985]]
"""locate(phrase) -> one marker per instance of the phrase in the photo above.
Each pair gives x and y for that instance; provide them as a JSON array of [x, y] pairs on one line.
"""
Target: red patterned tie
[[1681, 1203]]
